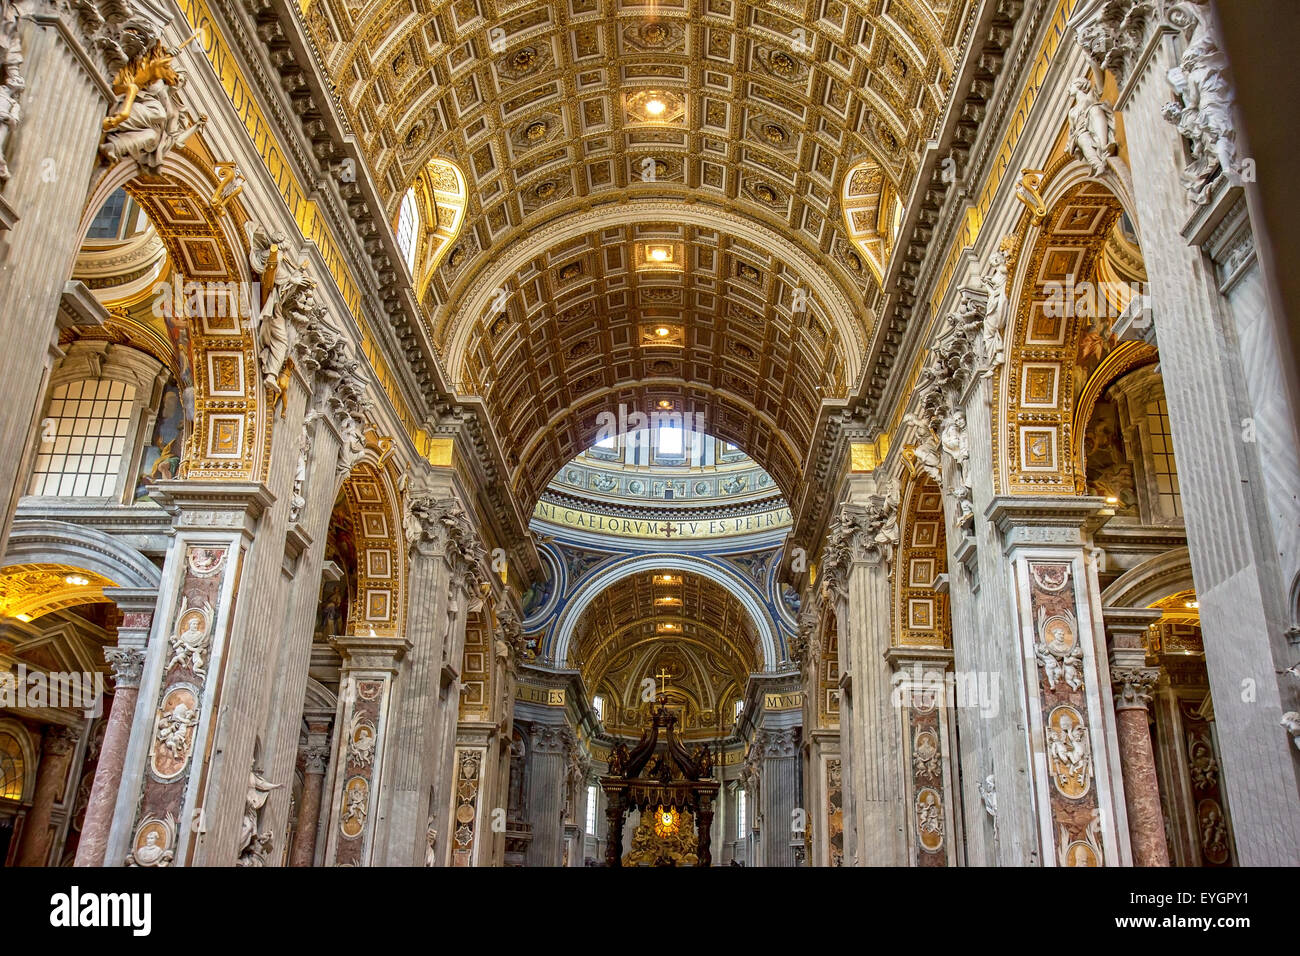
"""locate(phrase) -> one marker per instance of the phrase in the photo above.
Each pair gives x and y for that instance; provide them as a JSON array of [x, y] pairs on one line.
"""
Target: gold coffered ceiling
[[584, 331], [690, 626], [747, 115]]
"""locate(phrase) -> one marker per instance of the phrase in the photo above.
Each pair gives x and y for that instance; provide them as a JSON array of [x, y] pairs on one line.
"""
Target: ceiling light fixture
[[655, 106], [664, 403], [1192, 604], [663, 331], [76, 580], [659, 254]]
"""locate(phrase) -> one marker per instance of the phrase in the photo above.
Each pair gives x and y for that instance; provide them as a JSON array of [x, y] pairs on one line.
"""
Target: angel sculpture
[[253, 845], [995, 281], [1092, 126], [149, 118], [286, 306]]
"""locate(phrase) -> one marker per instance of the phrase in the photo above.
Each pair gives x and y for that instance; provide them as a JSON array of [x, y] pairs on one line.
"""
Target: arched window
[[408, 220], [98, 412], [11, 768], [83, 438]]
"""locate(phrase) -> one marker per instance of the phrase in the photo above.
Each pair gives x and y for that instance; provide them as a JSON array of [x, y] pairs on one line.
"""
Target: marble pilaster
[[362, 745], [57, 747], [52, 158], [1233, 426], [548, 755], [445, 554], [856, 567]]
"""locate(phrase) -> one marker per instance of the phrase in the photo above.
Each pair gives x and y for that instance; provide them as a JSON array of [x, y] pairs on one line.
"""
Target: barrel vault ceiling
[[678, 622], [581, 127]]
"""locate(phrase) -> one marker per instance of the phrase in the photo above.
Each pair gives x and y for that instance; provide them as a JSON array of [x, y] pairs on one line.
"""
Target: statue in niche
[[1092, 126], [254, 846], [149, 118]]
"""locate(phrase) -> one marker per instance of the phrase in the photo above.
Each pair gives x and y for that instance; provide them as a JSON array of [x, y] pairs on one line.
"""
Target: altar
[[673, 789]]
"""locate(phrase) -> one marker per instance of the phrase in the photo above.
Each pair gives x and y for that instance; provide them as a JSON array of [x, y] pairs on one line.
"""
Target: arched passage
[[563, 634]]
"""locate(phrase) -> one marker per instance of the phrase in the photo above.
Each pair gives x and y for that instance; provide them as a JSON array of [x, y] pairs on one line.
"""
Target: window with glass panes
[[591, 810], [1162, 459], [82, 439], [407, 219], [11, 768]]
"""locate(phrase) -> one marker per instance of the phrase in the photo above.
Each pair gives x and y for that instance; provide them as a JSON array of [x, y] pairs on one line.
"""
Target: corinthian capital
[[1133, 686], [127, 664], [955, 356], [440, 524], [1112, 32], [866, 532]]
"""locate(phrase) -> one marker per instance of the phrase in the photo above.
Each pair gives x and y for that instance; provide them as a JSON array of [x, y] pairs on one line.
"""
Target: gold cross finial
[[663, 676]]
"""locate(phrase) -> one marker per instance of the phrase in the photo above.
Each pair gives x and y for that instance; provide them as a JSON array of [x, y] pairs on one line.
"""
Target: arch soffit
[[611, 575]]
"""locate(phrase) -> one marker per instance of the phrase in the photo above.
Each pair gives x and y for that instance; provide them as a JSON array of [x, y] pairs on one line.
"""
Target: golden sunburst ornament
[[667, 822]]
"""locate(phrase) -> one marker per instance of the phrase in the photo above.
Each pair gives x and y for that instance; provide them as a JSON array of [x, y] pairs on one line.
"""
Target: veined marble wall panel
[[186, 695]]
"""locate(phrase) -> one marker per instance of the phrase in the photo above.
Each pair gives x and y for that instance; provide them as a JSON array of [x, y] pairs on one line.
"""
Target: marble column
[[1133, 686], [548, 756], [51, 158], [1234, 428], [316, 761], [127, 664], [51, 778]]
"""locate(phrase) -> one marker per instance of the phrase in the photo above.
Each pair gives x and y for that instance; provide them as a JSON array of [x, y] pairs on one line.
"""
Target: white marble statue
[[1205, 115], [12, 82], [995, 310], [173, 730], [254, 846], [1092, 126]]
